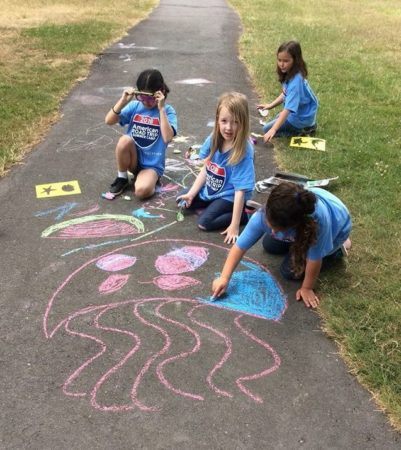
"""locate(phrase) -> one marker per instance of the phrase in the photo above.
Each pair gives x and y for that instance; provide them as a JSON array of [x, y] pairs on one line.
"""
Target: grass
[[353, 55], [45, 47]]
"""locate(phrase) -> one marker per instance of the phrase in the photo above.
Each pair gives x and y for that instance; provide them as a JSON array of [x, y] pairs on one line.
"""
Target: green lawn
[[353, 54]]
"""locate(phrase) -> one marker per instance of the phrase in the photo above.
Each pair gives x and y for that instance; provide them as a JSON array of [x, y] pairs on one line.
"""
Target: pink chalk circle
[[185, 259], [114, 263], [113, 283], [100, 228], [174, 282]]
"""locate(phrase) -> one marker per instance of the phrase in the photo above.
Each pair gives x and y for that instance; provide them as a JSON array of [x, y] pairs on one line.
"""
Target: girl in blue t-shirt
[[311, 227], [152, 124], [298, 116], [227, 178]]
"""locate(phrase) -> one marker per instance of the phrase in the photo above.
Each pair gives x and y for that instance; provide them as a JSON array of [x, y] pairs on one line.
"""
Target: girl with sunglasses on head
[[227, 178], [310, 226], [152, 124]]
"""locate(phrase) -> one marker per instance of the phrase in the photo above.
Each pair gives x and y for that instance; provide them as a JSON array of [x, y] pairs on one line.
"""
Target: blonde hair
[[237, 105]]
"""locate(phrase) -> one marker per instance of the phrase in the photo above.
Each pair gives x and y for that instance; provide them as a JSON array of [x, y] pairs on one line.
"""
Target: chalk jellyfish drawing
[[158, 337]]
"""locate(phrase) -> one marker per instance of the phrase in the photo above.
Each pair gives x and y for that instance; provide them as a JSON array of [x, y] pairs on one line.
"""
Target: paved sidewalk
[[108, 339]]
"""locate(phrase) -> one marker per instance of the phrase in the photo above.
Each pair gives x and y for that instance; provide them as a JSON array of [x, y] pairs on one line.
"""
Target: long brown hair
[[289, 206], [293, 48], [237, 105]]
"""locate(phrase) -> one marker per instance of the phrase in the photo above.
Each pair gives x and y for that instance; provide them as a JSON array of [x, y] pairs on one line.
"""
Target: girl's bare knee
[[124, 143], [142, 193]]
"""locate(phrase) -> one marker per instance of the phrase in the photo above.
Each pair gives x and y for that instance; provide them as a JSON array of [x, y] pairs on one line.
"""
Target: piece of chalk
[[213, 298], [176, 150], [126, 197], [108, 195]]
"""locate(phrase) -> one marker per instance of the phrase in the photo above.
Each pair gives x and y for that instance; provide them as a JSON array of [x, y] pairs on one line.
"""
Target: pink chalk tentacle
[[276, 365], [224, 358], [116, 367], [182, 355]]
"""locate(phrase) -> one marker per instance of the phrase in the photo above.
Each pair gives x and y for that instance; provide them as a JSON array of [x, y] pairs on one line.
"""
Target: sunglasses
[[144, 97]]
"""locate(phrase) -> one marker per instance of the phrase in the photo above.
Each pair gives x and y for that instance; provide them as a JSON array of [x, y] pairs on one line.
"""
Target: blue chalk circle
[[254, 292]]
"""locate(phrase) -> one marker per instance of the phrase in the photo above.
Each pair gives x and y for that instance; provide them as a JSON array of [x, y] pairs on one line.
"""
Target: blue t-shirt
[[331, 215], [144, 128], [223, 179], [300, 100]]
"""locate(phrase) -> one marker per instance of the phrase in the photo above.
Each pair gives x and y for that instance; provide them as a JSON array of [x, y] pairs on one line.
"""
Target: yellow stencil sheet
[[57, 189], [308, 142]]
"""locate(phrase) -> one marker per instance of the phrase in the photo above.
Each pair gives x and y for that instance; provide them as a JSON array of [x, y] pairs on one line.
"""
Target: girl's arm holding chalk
[[306, 292], [278, 101], [282, 117], [220, 284], [196, 187], [233, 230]]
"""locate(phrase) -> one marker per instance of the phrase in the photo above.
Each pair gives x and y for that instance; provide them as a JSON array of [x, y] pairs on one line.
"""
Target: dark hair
[[293, 48], [290, 205], [151, 80]]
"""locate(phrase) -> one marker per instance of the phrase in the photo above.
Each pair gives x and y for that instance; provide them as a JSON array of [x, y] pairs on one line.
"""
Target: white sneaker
[[345, 247]]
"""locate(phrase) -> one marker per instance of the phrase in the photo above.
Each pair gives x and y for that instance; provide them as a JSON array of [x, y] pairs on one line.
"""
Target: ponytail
[[290, 206]]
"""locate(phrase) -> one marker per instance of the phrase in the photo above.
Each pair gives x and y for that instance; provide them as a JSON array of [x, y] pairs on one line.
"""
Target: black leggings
[[276, 247], [217, 214]]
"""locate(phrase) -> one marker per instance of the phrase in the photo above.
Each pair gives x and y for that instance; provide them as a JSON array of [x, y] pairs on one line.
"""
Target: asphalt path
[[108, 340]]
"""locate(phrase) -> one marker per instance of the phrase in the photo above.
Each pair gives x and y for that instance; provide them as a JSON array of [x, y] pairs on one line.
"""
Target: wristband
[[115, 112]]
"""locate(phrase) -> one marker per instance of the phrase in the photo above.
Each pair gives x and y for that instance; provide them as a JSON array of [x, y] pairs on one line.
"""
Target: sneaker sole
[[120, 191]]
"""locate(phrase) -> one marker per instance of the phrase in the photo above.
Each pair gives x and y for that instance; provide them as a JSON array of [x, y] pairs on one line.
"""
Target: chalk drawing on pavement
[[95, 226], [195, 81], [158, 334]]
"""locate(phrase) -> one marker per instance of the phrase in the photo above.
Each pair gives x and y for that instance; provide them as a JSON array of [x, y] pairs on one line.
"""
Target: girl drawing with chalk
[[152, 124], [311, 227], [298, 116], [227, 178]]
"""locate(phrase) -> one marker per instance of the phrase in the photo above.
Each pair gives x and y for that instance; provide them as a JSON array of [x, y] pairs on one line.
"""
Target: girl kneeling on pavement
[[311, 227]]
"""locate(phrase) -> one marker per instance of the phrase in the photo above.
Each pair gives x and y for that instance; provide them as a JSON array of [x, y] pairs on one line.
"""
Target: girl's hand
[[219, 286], [160, 99], [269, 135], [308, 296], [231, 234], [128, 95], [186, 198], [263, 106]]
